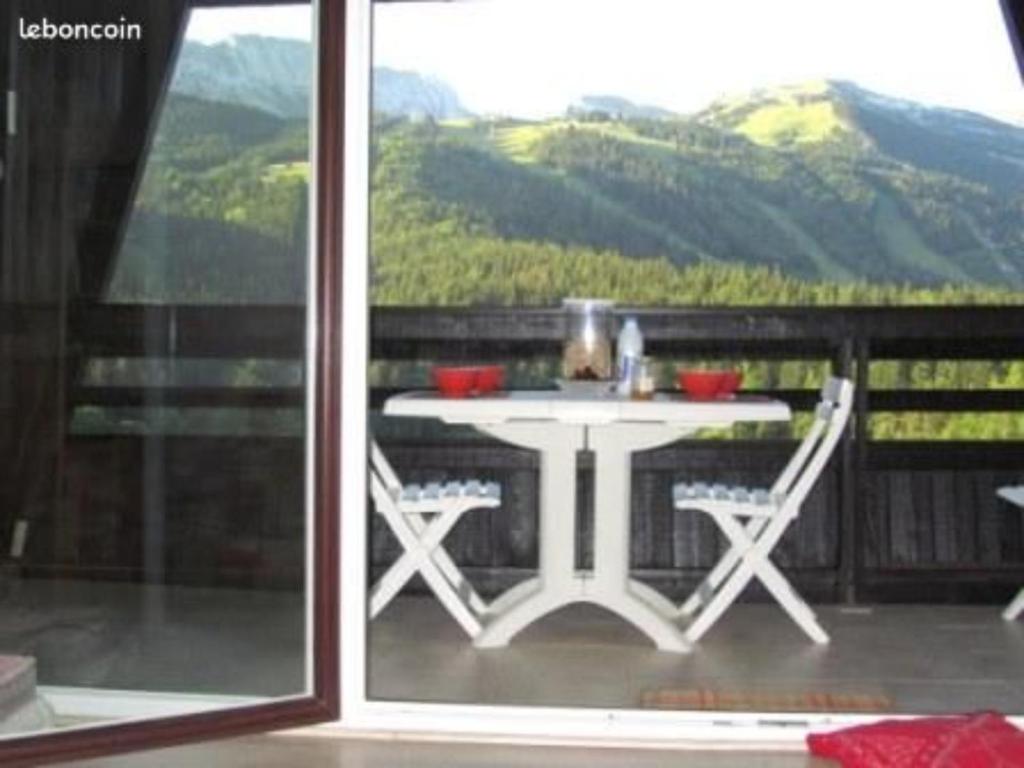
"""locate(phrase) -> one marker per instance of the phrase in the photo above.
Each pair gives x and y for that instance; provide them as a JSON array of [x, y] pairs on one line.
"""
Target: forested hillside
[[221, 216], [661, 212]]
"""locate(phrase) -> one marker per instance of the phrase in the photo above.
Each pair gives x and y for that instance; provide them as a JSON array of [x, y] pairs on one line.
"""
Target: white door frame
[[398, 719]]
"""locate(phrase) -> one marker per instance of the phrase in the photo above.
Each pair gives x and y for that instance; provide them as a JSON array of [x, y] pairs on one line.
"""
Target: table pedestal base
[[525, 603]]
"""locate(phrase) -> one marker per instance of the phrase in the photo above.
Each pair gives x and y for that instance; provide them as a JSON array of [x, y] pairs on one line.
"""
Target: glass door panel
[[156, 459]]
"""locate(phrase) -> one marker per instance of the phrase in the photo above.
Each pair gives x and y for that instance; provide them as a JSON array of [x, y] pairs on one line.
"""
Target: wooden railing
[[892, 520]]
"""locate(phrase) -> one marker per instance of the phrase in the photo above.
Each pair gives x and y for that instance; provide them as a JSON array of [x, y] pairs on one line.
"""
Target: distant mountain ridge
[[273, 75], [617, 107], [267, 73], [396, 92]]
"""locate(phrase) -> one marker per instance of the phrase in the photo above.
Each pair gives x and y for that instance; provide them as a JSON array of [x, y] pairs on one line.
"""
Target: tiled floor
[[921, 658], [289, 752]]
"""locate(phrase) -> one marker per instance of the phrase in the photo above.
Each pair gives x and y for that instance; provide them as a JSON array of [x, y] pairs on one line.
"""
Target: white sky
[[213, 25], [535, 57]]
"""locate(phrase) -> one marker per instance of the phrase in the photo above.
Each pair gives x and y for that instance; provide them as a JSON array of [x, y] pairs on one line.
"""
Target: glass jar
[[643, 379], [587, 351]]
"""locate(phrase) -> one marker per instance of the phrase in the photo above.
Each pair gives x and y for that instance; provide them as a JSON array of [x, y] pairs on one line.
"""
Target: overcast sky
[[211, 26], [534, 57]]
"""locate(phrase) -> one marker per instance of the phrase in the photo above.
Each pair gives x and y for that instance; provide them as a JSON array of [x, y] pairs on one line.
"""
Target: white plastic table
[[558, 425]]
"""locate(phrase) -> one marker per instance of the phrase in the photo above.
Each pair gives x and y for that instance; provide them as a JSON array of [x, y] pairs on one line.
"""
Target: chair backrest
[[1013, 494], [384, 482], [380, 465], [807, 464]]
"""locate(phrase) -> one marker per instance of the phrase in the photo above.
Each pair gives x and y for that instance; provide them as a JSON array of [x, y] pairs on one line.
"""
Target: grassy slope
[[785, 124]]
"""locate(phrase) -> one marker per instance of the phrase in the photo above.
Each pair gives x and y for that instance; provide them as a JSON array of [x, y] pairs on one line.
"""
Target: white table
[[558, 425]]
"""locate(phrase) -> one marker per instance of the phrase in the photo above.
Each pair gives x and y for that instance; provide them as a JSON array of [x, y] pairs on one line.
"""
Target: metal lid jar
[[587, 350]]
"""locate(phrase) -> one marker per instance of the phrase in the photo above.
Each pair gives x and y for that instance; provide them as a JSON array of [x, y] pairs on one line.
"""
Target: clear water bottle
[[628, 352]]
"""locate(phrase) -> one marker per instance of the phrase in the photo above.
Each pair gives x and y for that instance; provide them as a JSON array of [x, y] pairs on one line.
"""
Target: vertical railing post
[[843, 365], [858, 478], [853, 360]]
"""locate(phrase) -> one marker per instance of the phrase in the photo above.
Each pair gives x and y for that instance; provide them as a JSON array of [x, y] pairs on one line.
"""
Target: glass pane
[[679, 157], [756, 183], [154, 466]]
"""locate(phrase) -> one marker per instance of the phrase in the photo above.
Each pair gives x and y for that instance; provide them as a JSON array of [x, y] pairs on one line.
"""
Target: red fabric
[[983, 740]]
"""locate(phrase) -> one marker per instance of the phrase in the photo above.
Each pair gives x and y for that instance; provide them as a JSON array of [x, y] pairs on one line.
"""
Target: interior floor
[[276, 751], [897, 658], [145, 638]]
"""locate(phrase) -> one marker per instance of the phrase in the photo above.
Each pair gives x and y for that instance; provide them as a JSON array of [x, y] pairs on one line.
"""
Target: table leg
[[556, 583], [613, 446]]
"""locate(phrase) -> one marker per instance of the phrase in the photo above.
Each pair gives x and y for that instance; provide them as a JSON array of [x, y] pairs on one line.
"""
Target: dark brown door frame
[[324, 702], [8, 64]]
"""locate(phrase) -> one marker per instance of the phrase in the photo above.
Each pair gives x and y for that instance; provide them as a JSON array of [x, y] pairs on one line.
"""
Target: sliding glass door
[[165, 377]]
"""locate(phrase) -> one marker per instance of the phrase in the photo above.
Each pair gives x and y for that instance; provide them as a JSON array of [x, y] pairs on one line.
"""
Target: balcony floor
[[921, 658]]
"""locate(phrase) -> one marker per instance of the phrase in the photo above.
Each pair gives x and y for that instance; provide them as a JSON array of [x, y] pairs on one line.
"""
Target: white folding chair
[[1014, 495], [421, 516], [767, 515]]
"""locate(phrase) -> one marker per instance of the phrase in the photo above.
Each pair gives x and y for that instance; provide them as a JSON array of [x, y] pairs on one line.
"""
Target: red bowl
[[731, 381], [490, 378], [455, 381], [709, 384], [701, 385]]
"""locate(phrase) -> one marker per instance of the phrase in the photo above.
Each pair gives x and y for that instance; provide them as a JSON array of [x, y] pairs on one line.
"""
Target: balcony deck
[[890, 658]]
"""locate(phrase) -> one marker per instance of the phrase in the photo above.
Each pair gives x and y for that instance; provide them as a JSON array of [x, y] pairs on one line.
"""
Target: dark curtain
[[1013, 10], [86, 112]]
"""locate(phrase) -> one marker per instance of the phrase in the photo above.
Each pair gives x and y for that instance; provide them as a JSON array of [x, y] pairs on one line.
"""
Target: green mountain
[[821, 183], [821, 193]]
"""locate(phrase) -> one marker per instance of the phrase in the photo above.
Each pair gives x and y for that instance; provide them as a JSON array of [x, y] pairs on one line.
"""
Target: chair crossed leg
[[747, 558], [423, 554], [448, 567], [726, 565]]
